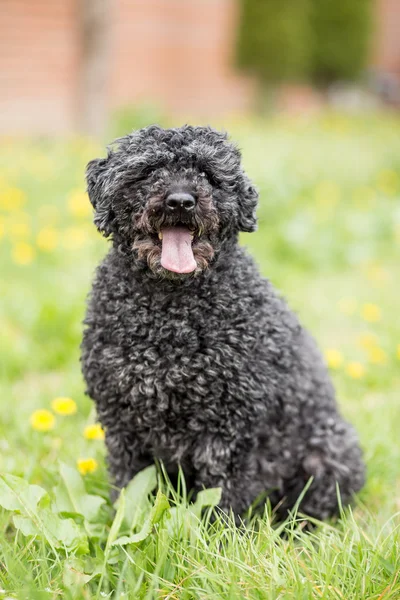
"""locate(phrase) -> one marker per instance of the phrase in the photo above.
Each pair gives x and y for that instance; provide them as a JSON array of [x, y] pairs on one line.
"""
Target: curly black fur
[[208, 370]]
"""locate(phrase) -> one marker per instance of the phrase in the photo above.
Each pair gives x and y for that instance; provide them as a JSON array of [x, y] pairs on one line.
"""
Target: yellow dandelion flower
[[334, 358], [74, 238], [348, 306], [355, 370], [94, 432], [79, 204], [376, 355], [42, 420], [46, 239], [64, 406], [398, 351], [371, 312], [22, 253], [87, 465], [12, 199]]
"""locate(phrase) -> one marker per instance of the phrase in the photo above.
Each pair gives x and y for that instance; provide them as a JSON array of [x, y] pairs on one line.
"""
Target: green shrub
[[320, 40], [340, 39], [272, 39]]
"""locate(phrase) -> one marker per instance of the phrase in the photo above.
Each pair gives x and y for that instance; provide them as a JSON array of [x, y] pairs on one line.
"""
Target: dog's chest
[[181, 367]]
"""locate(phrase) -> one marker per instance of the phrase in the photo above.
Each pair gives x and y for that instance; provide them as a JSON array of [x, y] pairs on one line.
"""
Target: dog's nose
[[180, 201]]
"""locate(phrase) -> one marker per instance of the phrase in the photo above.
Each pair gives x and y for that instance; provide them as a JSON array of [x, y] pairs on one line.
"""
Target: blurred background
[[309, 89], [72, 65]]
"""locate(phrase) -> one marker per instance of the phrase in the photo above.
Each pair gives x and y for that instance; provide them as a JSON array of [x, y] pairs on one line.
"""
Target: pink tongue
[[177, 253]]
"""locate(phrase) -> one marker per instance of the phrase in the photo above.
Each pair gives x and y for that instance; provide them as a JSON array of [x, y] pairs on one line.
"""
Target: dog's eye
[[140, 178], [211, 178]]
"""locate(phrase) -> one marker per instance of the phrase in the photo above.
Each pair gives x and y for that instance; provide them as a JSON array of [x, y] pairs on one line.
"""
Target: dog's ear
[[248, 199], [97, 178]]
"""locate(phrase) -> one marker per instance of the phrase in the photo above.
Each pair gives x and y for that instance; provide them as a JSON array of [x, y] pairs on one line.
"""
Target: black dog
[[191, 357]]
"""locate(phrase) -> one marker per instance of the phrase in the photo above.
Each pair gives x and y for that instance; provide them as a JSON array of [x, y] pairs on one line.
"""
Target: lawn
[[329, 239]]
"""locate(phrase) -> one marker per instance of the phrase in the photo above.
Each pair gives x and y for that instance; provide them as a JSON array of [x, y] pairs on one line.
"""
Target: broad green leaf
[[135, 538], [161, 505], [136, 495], [210, 497], [62, 533], [25, 526], [95, 531], [19, 496], [75, 573], [74, 577], [71, 496], [32, 519], [16, 494], [67, 533]]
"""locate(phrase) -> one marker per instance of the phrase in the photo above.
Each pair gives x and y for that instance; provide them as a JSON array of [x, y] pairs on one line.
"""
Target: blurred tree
[[273, 39], [341, 32], [95, 18], [321, 40]]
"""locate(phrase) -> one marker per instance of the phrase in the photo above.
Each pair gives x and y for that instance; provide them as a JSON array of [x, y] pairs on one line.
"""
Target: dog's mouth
[[176, 249], [176, 246]]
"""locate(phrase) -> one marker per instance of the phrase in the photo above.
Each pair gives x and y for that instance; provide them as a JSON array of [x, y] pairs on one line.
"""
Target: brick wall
[[179, 53], [174, 53], [38, 65], [387, 38]]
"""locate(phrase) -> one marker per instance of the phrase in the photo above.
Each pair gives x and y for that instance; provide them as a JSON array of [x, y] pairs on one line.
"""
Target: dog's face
[[172, 197]]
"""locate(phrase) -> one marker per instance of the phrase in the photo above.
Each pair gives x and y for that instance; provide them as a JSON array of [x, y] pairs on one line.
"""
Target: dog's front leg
[[220, 464], [125, 458]]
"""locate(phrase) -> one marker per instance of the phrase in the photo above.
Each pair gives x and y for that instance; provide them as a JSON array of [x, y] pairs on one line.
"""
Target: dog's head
[[172, 197]]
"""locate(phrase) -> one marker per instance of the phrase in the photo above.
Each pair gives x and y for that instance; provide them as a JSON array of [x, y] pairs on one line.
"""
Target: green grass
[[329, 238]]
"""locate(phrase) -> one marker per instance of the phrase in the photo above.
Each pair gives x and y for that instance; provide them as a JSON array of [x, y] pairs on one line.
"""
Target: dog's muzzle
[[176, 240]]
